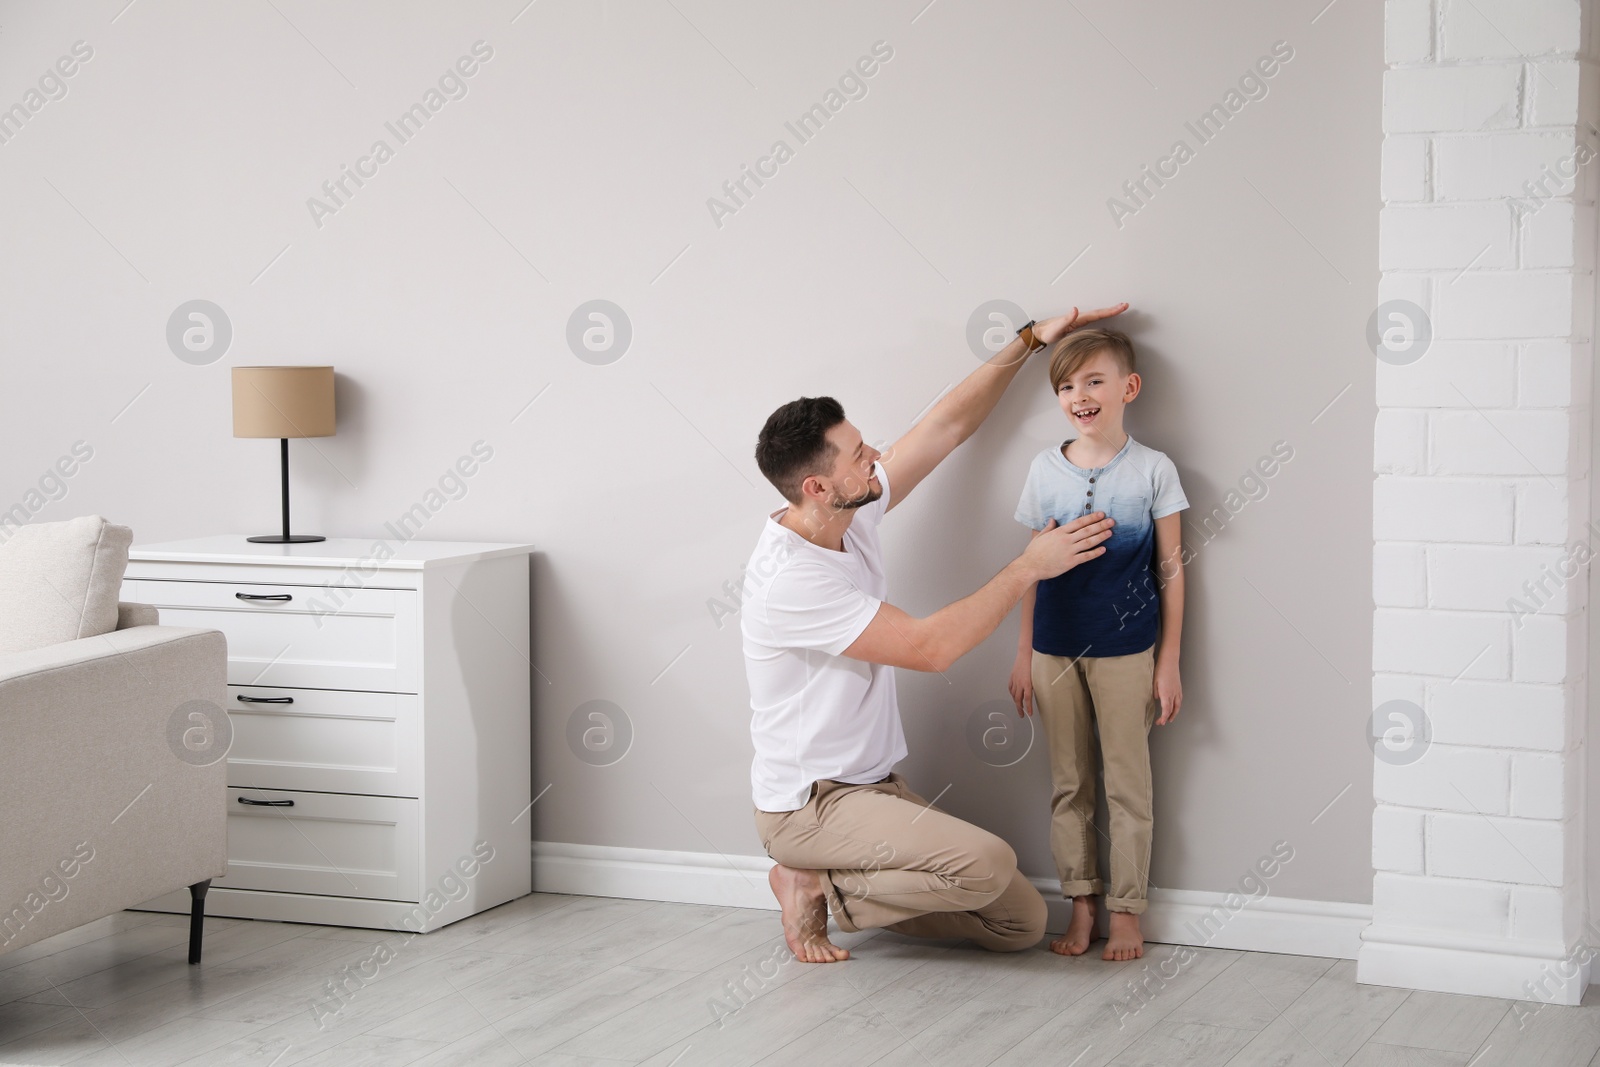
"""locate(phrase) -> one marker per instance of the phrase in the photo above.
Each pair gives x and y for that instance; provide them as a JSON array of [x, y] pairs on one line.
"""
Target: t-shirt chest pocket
[[1131, 513]]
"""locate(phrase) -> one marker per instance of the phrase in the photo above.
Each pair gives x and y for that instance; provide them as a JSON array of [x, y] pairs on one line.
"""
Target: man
[[820, 645]]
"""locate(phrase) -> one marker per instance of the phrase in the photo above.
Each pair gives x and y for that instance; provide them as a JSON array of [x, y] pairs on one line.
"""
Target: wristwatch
[[1034, 344]]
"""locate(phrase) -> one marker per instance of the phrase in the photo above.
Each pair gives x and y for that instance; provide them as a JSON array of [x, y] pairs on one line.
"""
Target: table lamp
[[283, 402]]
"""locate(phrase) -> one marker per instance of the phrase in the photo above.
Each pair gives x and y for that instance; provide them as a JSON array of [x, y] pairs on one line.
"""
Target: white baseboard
[[1477, 966], [1289, 925], [1175, 916], [652, 874]]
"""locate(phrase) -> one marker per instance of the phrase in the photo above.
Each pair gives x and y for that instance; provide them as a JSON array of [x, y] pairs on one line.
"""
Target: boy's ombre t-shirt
[[1107, 606]]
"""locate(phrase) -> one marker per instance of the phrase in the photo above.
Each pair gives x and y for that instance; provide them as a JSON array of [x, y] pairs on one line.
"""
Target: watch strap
[[1034, 344]]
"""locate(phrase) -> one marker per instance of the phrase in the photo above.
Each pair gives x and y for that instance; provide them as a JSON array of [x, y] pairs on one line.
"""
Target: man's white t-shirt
[[817, 714]]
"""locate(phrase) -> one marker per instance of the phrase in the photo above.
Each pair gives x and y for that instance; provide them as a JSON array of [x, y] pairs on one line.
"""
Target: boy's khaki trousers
[[1117, 694], [890, 859]]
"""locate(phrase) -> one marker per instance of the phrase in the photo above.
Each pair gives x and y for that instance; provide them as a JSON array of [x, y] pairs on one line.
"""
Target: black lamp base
[[285, 538]]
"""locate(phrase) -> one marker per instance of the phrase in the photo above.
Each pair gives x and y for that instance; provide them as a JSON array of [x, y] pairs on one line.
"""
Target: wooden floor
[[598, 981]]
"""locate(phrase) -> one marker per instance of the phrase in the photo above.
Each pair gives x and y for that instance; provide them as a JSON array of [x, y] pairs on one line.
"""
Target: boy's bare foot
[[1080, 929], [1126, 941], [805, 914]]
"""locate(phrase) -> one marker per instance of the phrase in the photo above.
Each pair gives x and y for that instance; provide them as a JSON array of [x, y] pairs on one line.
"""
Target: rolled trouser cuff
[[1131, 905], [836, 903]]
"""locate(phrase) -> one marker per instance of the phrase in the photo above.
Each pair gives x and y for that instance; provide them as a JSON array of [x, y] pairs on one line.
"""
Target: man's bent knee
[[993, 866], [1023, 925], [1038, 915]]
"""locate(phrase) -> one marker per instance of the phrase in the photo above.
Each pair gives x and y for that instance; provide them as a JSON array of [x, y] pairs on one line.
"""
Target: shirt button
[[1091, 479]]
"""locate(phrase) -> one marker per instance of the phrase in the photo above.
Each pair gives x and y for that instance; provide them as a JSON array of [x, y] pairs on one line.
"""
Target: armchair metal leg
[[197, 916]]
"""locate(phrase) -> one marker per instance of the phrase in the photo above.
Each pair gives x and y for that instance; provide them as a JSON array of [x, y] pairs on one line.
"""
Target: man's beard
[[841, 504]]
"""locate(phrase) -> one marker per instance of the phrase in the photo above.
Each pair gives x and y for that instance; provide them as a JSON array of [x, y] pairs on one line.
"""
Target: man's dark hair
[[793, 444]]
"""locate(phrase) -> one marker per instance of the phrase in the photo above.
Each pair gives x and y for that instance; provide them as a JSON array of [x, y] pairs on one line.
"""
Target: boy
[[1088, 648]]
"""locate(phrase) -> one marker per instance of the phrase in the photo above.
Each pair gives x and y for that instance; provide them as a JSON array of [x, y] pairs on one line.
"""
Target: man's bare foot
[[1126, 941], [1080, 929], [805, 914]]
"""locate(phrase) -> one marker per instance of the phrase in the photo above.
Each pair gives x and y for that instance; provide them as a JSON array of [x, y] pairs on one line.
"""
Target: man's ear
[[810, 486]]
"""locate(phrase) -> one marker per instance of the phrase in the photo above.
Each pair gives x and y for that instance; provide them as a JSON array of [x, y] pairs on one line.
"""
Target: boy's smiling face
[[1094, 395]]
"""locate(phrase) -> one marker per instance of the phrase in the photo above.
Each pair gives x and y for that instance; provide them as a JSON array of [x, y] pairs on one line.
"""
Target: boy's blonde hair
[[1079, 346]]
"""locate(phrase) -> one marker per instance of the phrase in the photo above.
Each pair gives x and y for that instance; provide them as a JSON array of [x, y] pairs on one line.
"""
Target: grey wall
[[577, 166]]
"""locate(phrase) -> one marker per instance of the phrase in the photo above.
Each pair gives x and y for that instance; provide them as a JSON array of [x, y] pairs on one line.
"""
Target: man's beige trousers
[[890, 859], [1117, 695]]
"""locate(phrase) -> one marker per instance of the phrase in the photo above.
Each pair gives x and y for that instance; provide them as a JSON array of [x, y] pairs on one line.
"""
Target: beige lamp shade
[[283, 402]]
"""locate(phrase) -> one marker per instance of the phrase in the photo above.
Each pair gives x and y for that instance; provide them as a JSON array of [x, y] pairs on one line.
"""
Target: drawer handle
[[263, 596], [263, 700], [267, 803]]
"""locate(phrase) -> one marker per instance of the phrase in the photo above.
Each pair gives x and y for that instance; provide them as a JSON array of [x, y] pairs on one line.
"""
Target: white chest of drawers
[[378, 694]]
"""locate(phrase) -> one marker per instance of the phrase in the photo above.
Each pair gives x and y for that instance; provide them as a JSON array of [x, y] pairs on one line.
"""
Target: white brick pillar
[[1481, 500]]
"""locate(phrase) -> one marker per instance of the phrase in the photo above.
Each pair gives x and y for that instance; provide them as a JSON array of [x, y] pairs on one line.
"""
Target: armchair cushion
[[59, 581]]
